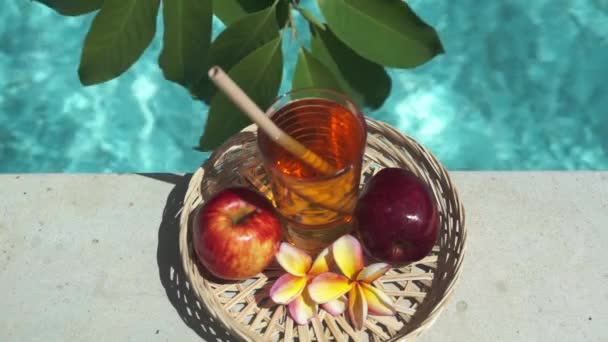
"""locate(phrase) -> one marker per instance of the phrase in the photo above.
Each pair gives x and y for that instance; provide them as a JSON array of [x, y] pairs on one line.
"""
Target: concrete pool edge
[[90, 255]]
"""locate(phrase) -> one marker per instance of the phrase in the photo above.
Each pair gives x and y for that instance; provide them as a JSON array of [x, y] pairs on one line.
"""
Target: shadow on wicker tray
[[170, 267]]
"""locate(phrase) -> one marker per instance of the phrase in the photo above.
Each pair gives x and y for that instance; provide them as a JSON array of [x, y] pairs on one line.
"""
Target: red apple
[[397, 219], [236, 233]]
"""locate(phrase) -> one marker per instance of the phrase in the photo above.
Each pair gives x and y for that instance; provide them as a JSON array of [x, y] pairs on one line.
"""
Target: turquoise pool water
[[524, 85]]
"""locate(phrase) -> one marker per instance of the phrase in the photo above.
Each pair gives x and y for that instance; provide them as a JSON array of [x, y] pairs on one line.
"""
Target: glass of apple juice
[[316, 208]]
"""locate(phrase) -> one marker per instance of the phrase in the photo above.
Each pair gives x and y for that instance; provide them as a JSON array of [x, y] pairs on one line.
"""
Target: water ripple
[[522, 86]]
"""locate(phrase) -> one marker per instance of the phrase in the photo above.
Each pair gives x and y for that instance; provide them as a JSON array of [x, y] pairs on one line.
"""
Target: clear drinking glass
[[316, 208]]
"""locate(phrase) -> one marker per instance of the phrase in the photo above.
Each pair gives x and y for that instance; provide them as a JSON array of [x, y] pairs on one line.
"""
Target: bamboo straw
[[247, 106]]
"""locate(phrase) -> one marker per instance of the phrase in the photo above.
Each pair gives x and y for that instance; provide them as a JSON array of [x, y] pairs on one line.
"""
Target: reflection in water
[[521, 86]]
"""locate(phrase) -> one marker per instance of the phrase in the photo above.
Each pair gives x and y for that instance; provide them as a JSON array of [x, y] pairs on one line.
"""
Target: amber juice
[[316, 208]]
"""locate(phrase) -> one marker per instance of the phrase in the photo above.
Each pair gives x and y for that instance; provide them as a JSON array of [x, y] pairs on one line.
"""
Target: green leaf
[[366, 82], [259, 75], [235, 42], [186, 39], [311, 73], [311, 18], [230, 11], [120, 33], [73, 7], [387, 32]]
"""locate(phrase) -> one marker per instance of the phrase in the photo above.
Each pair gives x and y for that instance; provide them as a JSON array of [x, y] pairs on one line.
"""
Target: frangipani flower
[[357, 280], [291, 288]]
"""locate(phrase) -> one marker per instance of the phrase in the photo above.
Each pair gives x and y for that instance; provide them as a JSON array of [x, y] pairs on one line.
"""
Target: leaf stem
[[292, 23]]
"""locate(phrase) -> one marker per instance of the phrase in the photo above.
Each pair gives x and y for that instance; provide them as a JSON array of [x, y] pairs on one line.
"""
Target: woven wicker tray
[[420, 290]]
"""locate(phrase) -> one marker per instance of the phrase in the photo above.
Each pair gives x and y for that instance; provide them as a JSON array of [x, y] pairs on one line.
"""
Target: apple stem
[[243, 218]]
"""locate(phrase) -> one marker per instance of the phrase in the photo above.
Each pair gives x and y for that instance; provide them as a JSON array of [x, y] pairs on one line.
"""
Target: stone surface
[[535, 268], [92, 257]]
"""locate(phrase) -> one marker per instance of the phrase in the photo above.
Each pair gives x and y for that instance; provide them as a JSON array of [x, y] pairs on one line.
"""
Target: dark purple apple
[[397, 219], [236, 233]]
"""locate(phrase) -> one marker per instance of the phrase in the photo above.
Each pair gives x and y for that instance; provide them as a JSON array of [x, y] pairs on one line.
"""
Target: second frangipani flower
[[291, 288], [357, 280]]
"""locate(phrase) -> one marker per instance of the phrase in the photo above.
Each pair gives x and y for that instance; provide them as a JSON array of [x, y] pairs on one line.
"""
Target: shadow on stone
[[171, 178], [171, 271]]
